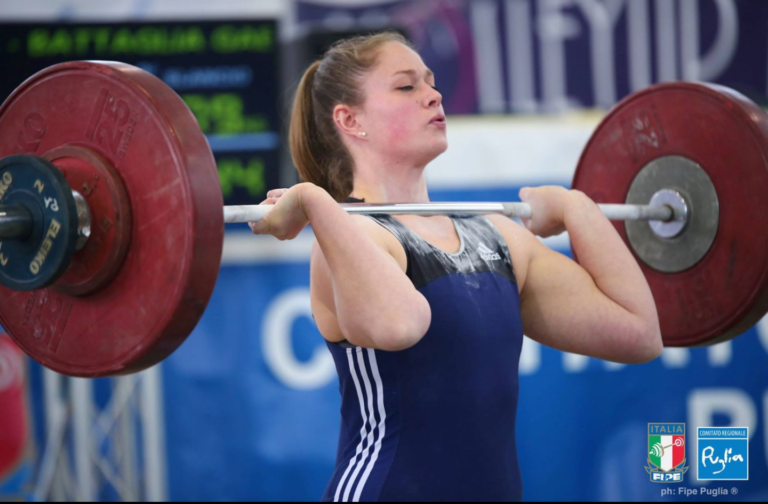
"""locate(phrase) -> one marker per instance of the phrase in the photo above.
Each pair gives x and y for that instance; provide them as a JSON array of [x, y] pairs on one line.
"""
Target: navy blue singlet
[[436, 422]]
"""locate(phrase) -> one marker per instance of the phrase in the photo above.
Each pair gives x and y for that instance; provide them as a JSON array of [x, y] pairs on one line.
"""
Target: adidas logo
[[487, 254]]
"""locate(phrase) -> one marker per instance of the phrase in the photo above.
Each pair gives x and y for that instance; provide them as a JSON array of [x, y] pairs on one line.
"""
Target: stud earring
[[362, 133]]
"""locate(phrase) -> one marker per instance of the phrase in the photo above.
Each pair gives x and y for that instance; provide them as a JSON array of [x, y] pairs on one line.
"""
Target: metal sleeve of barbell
[[638, 212], [254, 213], [15, 222]]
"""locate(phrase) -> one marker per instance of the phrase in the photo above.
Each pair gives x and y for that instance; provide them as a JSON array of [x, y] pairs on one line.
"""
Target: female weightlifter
[[425, 315]]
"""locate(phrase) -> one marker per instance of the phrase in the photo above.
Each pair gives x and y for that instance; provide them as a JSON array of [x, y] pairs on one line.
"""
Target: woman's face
[[401, 103]]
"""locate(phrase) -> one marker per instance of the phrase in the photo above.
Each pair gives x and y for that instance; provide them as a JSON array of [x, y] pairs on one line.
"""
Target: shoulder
[[510, 228], [375, 231], [522, 244], [320, 275]]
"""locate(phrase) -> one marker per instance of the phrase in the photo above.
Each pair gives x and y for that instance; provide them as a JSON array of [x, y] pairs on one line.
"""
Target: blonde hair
[[316, 146]]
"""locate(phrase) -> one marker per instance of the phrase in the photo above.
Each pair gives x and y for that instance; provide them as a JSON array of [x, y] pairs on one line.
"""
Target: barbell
[[111, 226]]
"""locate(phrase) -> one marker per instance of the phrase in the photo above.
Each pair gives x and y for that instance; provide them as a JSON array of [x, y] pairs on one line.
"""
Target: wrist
[[577, 203], [574, 205], [310, 195]]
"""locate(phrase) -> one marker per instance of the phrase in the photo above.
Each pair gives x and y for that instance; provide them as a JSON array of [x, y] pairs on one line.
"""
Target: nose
[[434, 98]]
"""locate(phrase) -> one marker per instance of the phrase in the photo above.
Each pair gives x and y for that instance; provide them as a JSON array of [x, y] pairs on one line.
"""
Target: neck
[[388, 184]]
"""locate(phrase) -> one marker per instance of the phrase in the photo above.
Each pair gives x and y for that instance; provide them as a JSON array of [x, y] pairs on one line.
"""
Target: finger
[[260, 227], [276, 193], [525, 193], [269, 201]]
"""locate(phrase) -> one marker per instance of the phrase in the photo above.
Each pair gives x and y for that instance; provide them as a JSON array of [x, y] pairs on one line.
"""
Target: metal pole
[[125, 441], [152, 418], [49, 486], [81, 391], [513, 210]]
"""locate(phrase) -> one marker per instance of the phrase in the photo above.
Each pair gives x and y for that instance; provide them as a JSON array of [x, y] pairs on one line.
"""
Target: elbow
[[395, 333], [638, 342], [646, 344], [402, 340], [396, 341], [650, 349]]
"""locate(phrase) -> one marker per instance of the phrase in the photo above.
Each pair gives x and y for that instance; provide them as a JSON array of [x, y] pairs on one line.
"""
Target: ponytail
[[303, 140]]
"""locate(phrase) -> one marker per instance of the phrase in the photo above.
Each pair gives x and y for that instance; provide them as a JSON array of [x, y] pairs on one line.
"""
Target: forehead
[[395, 57]]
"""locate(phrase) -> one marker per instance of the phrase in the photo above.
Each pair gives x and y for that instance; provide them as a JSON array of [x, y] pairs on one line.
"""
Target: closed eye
[[409, 88]]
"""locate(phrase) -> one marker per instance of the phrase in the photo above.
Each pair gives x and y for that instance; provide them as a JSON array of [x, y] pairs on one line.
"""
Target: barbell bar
[[16, 221], [665, 213]]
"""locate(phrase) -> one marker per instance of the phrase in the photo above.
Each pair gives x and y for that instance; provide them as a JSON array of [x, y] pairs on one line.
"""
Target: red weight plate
[[101, 258], [726, 292], [146, 132]]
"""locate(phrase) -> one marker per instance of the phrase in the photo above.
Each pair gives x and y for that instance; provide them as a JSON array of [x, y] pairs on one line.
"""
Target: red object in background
[[13, 409]]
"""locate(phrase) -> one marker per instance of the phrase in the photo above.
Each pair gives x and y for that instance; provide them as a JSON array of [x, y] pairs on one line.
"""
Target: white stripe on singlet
[[382, 424], [371, 421], [363, 430]]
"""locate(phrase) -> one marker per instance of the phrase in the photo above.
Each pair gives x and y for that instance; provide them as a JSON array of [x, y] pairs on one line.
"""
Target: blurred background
[[248, 407]]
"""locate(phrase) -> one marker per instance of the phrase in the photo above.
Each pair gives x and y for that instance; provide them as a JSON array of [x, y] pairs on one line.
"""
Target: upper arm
[[560, 304], [321, 282], [563, 308]]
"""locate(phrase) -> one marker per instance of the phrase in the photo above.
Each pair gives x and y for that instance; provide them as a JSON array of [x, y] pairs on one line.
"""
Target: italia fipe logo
[[666, 452]]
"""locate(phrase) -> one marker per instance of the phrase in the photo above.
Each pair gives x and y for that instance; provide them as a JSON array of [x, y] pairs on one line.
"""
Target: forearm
[[603, 254], [373, 299]]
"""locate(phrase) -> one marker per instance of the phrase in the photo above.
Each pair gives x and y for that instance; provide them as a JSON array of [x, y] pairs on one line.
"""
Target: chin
[[427, 156], [424, 154], [439, 148]]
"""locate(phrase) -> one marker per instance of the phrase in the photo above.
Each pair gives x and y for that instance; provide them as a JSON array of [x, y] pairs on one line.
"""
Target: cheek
[[400, 124]]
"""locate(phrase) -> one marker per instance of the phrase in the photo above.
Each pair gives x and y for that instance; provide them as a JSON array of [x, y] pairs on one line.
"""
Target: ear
[[346, 120]]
